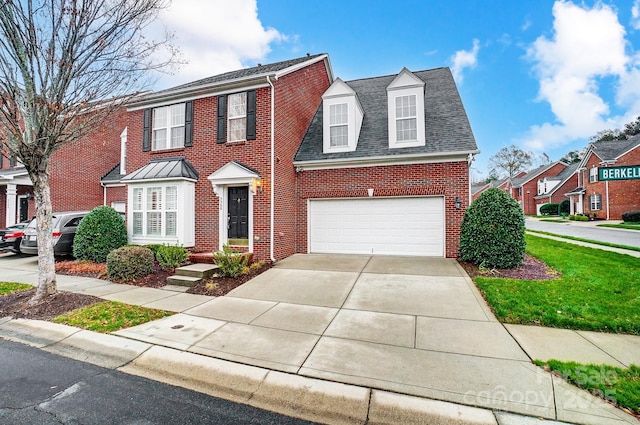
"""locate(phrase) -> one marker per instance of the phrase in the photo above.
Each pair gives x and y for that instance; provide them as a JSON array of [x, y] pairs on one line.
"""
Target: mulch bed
[[530, 269], [219, 286], [16, 305]]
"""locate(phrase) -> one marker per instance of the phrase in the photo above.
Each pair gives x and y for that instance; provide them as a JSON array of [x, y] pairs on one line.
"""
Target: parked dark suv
[[64, 226]]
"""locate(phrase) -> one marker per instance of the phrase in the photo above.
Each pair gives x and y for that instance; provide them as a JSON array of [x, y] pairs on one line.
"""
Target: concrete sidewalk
[[343, 340]]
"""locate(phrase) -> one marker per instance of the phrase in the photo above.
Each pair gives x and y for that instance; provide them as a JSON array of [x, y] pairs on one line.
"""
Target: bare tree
[[65, 66], [511, 160]]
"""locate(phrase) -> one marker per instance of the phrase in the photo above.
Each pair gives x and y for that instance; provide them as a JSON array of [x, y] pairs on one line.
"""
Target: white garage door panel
[[391, 226]]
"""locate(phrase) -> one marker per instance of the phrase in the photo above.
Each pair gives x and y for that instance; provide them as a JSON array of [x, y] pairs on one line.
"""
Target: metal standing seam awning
[[173, 168]]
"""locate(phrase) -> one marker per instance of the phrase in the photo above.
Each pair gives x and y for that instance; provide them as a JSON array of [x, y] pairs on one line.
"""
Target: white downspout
[[606, 188], [273, 173]]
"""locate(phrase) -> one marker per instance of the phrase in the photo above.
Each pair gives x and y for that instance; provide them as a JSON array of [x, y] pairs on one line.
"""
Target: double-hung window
[[168, 127], [595, 202], [237, 116], [406, 118], [593, 175], [155, 211], [339, 125]]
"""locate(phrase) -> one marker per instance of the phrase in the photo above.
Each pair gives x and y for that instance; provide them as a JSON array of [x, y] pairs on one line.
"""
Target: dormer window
[[342, 118], [406, 127], [405, 99], [339, 125]]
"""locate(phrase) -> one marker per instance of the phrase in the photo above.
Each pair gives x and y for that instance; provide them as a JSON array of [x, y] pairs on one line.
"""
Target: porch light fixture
[[256, 184], [458, 203]]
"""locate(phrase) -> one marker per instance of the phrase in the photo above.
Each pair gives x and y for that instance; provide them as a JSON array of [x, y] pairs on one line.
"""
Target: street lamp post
[[526, 201]]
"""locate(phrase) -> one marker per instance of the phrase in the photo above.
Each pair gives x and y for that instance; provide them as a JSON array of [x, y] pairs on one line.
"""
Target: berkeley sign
[[630, 172]]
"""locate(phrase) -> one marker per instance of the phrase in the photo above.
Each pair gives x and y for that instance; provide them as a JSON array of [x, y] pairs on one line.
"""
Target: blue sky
[[543, 75]]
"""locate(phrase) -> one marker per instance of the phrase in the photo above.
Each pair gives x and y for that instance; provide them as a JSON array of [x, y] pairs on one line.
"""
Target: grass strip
[[619, 386], [574, 238], [7, 288], [109, 316], [553, 220], [596, 290], [621, 226]]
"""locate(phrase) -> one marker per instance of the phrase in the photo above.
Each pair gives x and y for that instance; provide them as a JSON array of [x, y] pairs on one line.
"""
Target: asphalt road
[[602, 234], [37, 387]]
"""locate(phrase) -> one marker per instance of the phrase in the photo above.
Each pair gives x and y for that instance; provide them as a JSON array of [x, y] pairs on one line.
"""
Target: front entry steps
[[192, 274]]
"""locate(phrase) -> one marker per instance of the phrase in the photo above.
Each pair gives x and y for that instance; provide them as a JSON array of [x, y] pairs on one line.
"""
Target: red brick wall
[[528, 201], [624, 195], [76, 168], [448, 179], [558, 196], [297, 96]]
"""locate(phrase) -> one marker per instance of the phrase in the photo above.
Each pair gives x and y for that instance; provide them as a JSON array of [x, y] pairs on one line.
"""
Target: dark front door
[[238, 213], [23, 209]]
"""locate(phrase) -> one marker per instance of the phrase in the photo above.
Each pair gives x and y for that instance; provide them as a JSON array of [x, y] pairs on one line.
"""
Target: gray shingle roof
[[113, 175], [164, 168], [610, 150], [446, 124], [235, 75], [531, 174]]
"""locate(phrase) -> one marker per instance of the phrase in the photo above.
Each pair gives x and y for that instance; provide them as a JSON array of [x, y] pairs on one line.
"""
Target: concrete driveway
[[412, 325]]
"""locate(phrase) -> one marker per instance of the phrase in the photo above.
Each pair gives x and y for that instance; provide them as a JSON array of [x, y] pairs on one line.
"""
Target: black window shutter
[[146, 132], [12, 161], [222, 119], [188, 124], [1, 160], [251, 115]]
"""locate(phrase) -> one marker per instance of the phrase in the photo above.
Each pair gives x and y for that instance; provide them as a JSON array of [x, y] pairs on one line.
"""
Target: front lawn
[[619, 386], [596, 290], [630, 226], [7, 288], [109, 316]]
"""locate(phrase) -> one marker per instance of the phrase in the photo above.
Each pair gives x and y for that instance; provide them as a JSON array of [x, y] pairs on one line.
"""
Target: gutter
[[273, 174]]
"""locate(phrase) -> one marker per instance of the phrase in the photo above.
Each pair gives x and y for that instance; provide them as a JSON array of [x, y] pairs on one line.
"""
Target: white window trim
[[123, 151], [394, 93], [339, 124], [594, 205], [593, 175], [236, 117], [168, 127], [185, 214], [354, 122]]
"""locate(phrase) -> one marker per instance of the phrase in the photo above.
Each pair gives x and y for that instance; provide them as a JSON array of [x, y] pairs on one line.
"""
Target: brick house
[[384, 167], [611, 198], [209, 163], [552, 189], [75, 172], [527, 187]]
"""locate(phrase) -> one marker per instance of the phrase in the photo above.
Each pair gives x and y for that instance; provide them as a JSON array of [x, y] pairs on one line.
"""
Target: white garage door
[[385, 226]]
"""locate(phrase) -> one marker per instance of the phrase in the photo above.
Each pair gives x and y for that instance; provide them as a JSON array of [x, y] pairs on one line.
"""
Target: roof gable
[[337, 89], [404, 79], [535, 173]]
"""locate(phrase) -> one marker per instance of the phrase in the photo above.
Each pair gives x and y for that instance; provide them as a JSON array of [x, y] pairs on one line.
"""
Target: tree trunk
[[46, 262]]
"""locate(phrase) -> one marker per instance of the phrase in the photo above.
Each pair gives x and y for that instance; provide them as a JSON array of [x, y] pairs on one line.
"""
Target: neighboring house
[[552, 189], [384, 167], [607, 199], [75, 171], [503, 184], [209, 163], [526, 187]]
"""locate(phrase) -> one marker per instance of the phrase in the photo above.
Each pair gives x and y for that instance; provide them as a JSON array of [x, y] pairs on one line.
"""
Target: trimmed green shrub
[[170, 257], [579, 217], [129, 263], [154, 247], [232, 263], [565, 208], [492, 233], [631, 217], [100, 232], [549, 209]]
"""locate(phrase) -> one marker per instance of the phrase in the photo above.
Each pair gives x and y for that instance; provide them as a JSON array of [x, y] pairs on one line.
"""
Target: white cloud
[[464, 59], [216, 36], [587, 45], [635, 14]]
